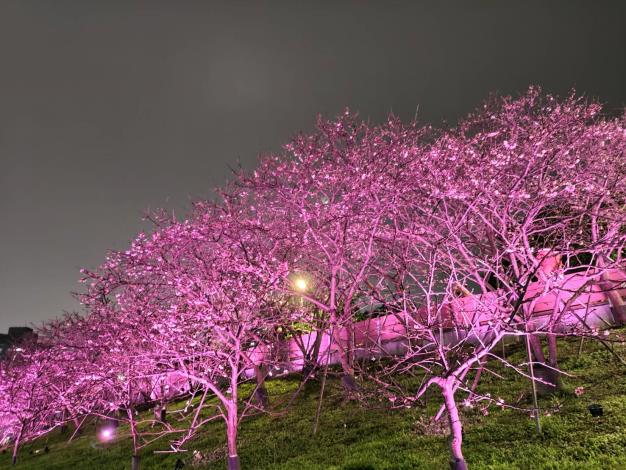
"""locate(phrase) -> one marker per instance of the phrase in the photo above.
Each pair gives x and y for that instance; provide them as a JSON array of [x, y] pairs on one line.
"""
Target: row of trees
[[459, 234]]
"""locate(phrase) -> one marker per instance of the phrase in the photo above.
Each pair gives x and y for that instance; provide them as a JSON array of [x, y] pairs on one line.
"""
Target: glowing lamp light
[[106, 434], [300, 284]]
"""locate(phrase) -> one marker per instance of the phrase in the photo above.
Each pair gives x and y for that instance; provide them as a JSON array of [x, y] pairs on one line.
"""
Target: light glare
[[106, 434], [300, 284]]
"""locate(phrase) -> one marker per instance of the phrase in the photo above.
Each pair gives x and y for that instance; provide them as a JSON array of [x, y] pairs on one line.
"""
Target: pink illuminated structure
[[386, 335]]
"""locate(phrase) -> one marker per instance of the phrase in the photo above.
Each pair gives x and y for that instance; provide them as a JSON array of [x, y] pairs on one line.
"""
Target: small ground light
[[106, 434], [596, 410]]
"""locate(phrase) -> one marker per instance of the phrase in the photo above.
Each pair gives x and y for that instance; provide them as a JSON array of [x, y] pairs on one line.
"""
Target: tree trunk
[[549, 379], [233, 462], [619, 313], [476, 379], [317, 345], [231, 434], [77, 429], [535, 346], [160, 413], [542, 370], [348, 382], [617, 303], [133, 430], [552, 362], [531, 370], [347, 378], [311, 360], [456, 428], [260, 394], [16, 446]]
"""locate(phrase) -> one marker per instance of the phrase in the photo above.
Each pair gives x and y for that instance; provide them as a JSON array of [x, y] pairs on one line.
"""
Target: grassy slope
[[351, 437]]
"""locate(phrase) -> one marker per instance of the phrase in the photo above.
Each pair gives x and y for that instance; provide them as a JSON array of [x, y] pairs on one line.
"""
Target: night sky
[[108, 109]]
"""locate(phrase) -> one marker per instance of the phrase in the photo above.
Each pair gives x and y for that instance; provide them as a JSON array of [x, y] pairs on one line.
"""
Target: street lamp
[[301, 285]]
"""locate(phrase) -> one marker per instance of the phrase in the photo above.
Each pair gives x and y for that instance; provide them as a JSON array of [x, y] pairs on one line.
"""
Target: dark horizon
[[110, 109]]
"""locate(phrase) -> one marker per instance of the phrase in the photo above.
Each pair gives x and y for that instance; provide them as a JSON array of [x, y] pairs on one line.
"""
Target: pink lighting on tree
[[426, 247]]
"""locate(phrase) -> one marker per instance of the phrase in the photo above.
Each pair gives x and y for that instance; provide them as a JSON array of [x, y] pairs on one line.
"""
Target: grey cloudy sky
[[111, 108]]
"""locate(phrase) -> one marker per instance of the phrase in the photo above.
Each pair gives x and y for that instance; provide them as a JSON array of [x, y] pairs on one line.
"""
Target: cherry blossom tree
[[122, 380], [28, 405], [543, 166], [326, 200], [70, 349], [204, 304], [501, 202]]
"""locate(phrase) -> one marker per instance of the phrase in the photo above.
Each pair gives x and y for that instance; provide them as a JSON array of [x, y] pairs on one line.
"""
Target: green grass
[[374, 437]]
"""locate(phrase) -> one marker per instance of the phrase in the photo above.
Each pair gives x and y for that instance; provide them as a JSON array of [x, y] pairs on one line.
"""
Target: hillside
[[354, 437]]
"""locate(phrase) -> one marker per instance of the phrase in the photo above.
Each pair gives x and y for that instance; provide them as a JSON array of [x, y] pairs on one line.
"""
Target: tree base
[[261, 397], [233, 462], [135, 462], [458, 464], [307, 370], [550, 375], [349, 384], [619, 314], [160, 414]]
